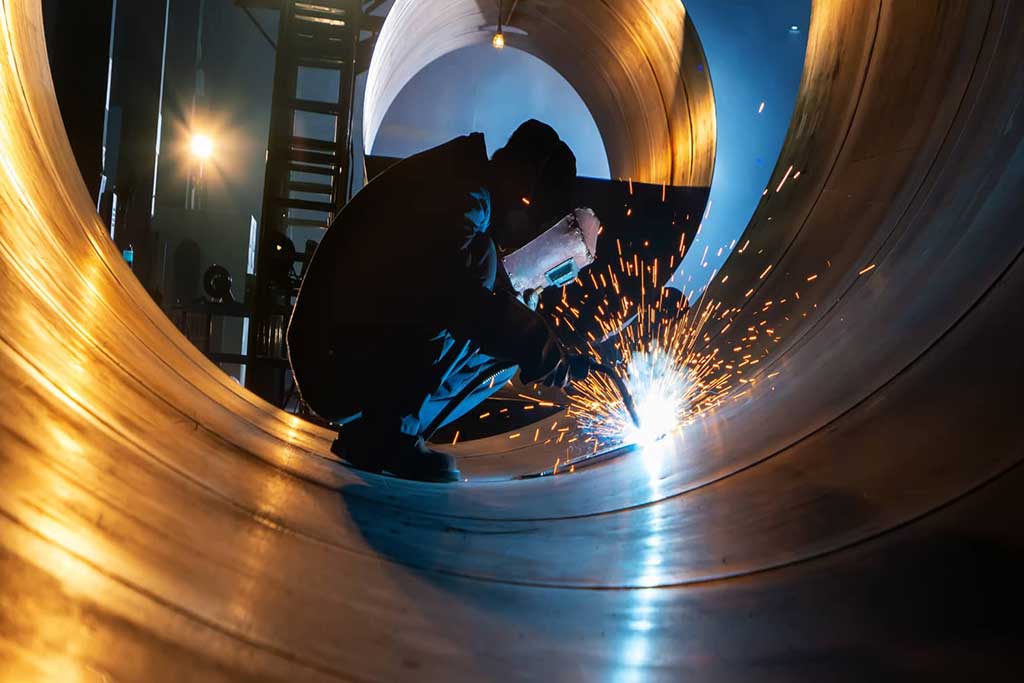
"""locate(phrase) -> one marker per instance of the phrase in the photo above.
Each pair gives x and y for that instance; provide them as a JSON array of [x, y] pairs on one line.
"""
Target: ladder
[[308, 173], [308, 168]]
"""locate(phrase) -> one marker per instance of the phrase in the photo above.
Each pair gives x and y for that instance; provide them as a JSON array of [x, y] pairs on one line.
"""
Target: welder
[[408, 303]]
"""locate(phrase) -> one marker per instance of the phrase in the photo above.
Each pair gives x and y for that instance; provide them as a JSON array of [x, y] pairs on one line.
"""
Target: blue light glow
[[478, 88], [753, 57]]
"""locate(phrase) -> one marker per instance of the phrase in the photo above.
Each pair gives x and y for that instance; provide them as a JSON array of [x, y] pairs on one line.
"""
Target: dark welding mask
[[556, 256]]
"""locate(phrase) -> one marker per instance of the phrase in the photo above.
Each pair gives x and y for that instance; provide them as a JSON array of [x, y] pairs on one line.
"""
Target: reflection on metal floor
[[858, 518]]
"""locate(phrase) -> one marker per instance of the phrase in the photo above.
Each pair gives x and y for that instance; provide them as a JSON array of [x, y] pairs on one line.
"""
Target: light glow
[[671, 382], [201, 146], [659, 386]]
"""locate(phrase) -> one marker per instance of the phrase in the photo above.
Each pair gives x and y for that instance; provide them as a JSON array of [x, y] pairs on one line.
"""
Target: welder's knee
[[461, 394]]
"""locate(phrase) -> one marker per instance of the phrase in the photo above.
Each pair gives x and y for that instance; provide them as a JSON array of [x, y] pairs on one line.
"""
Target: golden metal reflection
[[644, 77]]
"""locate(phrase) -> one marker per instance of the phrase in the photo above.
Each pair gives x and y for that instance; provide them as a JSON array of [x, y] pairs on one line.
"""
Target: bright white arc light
[[658, 417], [660, 388], [498, 41], [202, 146]]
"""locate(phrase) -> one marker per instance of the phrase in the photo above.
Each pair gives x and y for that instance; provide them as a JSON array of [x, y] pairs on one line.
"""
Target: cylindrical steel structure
[[856, 515], [637, 64]]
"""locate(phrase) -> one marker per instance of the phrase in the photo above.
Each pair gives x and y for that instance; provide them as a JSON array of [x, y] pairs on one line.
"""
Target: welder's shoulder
[[452, 203]]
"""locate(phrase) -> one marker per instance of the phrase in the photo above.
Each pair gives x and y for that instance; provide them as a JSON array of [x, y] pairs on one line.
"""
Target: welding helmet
[[556, 256]]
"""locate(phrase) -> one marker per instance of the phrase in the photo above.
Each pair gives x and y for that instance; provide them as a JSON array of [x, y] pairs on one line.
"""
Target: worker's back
[[386, 262]]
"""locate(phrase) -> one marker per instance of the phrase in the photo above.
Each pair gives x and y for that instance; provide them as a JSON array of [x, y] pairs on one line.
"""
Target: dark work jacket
[[407, 261]]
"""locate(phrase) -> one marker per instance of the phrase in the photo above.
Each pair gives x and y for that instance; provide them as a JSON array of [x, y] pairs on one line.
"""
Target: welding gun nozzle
[[627, 398]]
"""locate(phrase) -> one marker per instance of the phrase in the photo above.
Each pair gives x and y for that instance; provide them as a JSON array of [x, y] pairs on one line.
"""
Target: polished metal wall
[[854, 517], [637, 64]]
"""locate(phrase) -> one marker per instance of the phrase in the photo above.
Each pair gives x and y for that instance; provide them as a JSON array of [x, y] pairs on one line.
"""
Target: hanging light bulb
[[499, 38]]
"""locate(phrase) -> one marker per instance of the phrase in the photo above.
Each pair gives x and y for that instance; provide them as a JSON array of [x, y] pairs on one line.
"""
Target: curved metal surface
[[637, 64], [158, 523]]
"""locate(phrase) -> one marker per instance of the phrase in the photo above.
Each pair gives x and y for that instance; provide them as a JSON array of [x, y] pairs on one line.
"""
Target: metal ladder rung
[[310, 188], [306, 205], [311, 169], [318, 158], [330, 108], [311, 144]]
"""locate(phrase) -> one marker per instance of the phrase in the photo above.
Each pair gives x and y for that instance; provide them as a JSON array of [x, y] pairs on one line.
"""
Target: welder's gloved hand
[[531, 298], [572, 367]]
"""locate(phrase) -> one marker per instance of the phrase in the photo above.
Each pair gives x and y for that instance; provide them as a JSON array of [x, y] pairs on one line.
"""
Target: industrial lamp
[[201, 146], [499, 38]]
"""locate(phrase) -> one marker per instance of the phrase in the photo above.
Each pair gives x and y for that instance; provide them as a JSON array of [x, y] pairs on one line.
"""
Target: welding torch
[[627, 398]]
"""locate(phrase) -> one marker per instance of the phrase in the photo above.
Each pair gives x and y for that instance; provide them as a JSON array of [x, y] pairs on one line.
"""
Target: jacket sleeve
[[494, 317], [507, 329]]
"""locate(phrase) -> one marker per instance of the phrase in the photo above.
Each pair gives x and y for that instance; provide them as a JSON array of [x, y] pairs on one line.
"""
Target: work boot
[[353, 446], [413, 459], [403, 455]]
